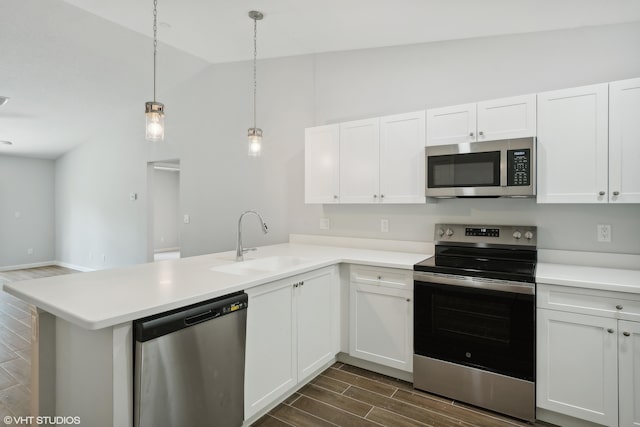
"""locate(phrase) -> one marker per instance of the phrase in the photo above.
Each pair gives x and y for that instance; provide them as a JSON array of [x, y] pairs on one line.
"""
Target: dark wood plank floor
[[347, 396], [15, 342]]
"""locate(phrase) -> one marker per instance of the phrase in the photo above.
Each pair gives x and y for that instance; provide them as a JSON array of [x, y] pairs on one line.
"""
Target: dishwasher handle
[[165, 323], [201, 317]]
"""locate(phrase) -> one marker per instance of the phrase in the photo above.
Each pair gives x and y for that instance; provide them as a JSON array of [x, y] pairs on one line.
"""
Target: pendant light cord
[[255, 55], [155, 44]]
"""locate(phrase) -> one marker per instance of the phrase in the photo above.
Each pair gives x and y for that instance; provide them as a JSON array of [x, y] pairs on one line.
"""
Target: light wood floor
[[344, 395], [15, 342]]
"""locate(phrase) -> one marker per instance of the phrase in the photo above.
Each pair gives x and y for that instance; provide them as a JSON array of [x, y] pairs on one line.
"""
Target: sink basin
[[262, 265]]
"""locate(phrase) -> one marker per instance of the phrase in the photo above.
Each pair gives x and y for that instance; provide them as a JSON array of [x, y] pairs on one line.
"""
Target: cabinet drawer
[[389, 277], [617, 305]]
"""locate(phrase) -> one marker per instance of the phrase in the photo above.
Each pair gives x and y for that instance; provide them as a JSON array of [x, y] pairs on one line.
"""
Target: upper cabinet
[[589, 144], [402, 158], [359, 156], [379, 160], [322, 164], [572, 145], [504, 118], [624, 141]]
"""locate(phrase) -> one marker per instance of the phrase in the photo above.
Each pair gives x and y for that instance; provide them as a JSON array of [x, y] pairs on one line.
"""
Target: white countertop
[[606, 279], [106, 298]]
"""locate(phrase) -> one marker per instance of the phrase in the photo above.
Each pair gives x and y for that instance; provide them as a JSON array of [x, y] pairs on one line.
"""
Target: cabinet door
[[359, 161], [381, 322], [402, 158], [629, 371], [573, 145], [318, 320], [321, 164], [624, 141], [577, 370], [451, 125], [507, 118], [270, 364]]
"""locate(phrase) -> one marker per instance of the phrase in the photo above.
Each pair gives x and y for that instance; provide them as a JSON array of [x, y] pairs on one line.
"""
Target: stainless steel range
[[474, 317]]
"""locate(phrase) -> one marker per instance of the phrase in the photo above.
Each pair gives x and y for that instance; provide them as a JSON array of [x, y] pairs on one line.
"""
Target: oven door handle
[[475, 282]]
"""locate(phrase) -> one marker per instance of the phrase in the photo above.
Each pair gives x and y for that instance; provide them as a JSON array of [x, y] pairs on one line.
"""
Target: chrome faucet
[[239, 250]]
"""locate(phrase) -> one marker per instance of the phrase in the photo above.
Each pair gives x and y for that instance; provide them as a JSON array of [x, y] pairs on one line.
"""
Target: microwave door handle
[[503, 167]]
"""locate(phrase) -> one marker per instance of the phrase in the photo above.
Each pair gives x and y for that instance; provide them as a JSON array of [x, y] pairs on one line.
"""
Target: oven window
[[464, 170], [484, 329], [461, 317]]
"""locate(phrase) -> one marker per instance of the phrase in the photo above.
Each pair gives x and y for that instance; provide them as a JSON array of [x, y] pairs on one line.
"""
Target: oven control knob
[[449, 232], [517, 235], [440, 232], [528, 235]]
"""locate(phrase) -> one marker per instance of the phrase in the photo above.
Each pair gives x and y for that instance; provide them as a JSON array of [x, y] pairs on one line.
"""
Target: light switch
[[324, 223], [133, 196], [186, 219]]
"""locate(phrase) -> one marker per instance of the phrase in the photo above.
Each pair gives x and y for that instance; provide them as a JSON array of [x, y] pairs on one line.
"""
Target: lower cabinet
[[292, 330], [381, 316], [588, 356]]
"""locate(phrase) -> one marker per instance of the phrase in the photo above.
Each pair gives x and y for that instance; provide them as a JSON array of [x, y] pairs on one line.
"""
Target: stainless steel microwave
[[503, 168]]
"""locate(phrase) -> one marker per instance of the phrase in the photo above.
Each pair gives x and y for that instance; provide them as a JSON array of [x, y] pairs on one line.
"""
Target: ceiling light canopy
[[255, 133], [154, 111]]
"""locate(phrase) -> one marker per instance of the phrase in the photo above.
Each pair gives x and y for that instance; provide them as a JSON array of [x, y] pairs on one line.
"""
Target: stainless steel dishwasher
[[189, 365]]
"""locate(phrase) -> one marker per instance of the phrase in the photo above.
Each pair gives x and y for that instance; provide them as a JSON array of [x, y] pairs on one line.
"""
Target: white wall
[[26, 211], [166, 204], [207, 120]]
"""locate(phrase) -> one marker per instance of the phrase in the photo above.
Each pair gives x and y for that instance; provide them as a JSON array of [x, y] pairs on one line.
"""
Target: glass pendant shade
[[154, 112], [255, 142]]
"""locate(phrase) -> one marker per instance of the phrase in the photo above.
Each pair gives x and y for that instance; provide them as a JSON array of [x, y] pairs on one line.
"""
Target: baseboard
[[73, 266], [30, 265], [173, 249]]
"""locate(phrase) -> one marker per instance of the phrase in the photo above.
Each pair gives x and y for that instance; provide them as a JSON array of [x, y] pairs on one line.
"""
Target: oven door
[[476, 323]]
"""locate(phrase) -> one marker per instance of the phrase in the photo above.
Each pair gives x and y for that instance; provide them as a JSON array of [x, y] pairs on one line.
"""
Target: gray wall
[[207, 120], [166, 209], [26, 187]]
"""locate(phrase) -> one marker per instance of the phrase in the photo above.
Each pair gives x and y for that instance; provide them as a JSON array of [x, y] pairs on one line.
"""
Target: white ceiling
[[71, 65]]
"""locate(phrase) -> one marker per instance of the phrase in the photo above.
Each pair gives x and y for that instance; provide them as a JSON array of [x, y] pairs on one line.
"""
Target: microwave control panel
[[519, 167]]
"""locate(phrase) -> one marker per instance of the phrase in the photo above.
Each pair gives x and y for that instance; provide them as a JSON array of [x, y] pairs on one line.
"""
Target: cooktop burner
[[500, 252]]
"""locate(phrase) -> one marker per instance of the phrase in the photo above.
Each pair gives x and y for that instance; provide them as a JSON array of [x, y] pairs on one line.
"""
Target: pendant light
[[255, 133], [154, 111]]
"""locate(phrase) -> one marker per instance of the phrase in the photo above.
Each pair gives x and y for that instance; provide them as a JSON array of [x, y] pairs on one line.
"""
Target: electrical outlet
[[384, 225], [186, 219], [324, 223], [30, 251], [604, 233], [17, 214]]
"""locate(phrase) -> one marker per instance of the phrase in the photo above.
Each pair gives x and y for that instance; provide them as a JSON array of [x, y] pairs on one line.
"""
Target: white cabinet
[[381, 316], [292, 331], [505, 118], [318, 320], [402, 158], [624, 141], [572, 145], [588, 354], [379, 160], [359, 161], [577, 366], [322, 164], [451, 125], [629, 368]]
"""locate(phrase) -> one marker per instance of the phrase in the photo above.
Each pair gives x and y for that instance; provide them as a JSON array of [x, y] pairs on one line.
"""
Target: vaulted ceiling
[[68, 65]]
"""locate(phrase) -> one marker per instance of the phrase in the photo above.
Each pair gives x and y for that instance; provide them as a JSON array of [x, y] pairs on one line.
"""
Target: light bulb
[[154, 112], [255, 142]]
